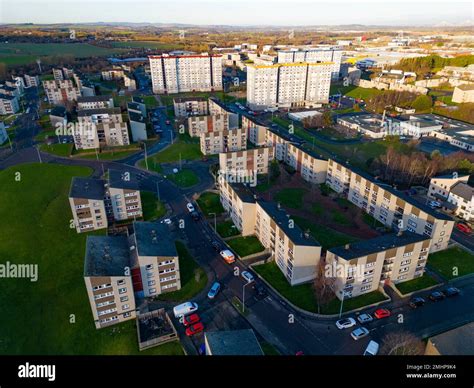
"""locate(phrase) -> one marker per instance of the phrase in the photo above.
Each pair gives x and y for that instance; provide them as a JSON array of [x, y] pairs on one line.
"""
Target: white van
[[185, 309], [372, 349]]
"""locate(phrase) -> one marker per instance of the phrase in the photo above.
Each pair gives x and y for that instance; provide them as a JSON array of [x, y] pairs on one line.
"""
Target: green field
[[420, 283], [355, 91], [184, 178], [292, 198], [210, 203], [188, 151], [14, 54], [58, 149], [109, 155], [152, 207], [147, 45], [452, 262], [35, 229], [245, 246], [227, 229]]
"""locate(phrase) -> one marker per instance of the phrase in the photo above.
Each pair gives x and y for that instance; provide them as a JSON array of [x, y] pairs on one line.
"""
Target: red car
[[194, 329], [464, 228], [168, 122], [191, 320], [381, 313]]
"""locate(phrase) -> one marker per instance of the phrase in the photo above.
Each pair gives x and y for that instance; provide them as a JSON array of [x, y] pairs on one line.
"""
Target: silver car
[[365, 318], [359, 333]]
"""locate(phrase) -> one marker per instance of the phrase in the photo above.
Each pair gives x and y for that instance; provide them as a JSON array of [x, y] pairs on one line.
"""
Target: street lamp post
[[158, 190], [342, 303], [146, 156], [215, 221], [243, 296], [39, 154]]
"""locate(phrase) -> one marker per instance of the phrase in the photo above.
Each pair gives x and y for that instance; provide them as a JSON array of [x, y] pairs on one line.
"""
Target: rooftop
[[377, 244], [94, 98], [463, 190], [153, 239], [243, 192], [186, 99], [120, 180], [466, 87], [133, 105], [138, 99], [59, 111], [100, 111], [233, 343], [135, 116], [106, 256], [455, 342], [87, 188]]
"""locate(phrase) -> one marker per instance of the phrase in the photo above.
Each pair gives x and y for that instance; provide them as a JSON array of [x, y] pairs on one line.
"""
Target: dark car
[[451, 291], [416, 302], [260, 291], [436, 296], [216, 245], [195, 215]]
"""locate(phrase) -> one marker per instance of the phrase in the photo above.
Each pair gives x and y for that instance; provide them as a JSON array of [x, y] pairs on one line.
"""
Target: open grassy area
[[334, 306], [193, 277], [35, 229], [109, 155], [188, 151], [184, 178], [291, 197], [58, 149], [327, 237], [210, 203], [227, 229], [245, 246], [355, 91], [452, 262], [168, 99], [420, 283], [150, 101], [152, 207]]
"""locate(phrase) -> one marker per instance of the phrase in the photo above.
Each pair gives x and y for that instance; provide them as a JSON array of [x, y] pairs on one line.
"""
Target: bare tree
[[323, 285], [401, 343]]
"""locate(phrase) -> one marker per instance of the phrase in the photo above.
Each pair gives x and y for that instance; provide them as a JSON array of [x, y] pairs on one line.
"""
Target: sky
[[240, 12]]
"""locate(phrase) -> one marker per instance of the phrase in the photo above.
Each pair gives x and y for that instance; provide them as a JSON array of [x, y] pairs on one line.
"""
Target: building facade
[[246, 163], [190, 106], [223, 141]]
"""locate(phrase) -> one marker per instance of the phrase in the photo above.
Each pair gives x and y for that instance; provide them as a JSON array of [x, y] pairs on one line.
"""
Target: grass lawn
[[190, 271], [44, 134], [317, 209], [184, 178], [58, 149], [355, 91], [371, 221], [117, 155], [340, 218], [245, 246], [327, 237], [188, 151], [452, 260], [416, 284], [150, 101], [334, 306], [152, 207], [290, 197], [153, 165], [35, 229], [227, 229], [210, 203]]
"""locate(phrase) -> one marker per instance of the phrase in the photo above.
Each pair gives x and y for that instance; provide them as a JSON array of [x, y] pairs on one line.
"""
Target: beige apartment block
[[463, 94], [87, 201], [312, 168], [256, 133], [190, 106], [245, 163], [296, 253], [208, 123], [440, 186], [154, 254], [363, 266], [461, 196], [223, 141], [389, 206], [124, 194], [185, 73], [239, 202], [108, 280], [217, 107], [61, 91]]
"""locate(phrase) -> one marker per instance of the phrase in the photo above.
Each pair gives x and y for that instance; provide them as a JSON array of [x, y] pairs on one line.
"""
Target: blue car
[[214, 290]]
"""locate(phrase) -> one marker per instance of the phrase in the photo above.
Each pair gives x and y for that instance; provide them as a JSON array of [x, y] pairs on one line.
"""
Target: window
[[125, 307], [124, 299], [368, 265], [122, 290], [151, 283], [121, 282], [152, 290]]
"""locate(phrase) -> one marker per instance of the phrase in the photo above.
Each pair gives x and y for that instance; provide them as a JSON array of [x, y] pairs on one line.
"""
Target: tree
[[323, 285], [422, 103], [327, 119], [401, 344], [274, 170]]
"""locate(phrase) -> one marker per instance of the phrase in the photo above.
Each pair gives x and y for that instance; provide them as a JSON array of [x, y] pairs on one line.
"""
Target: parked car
[[191, 320], [416, 302], [194, 329], [436, 296], [434, 204], [216, 245], [167, 122], [359, 333], [184, 309], [247, 276], [228, 256], [451, 291], [365, 318], [190, 207], [345, 323], [381, 313], [195, 216], [214, 290], [167, 221], [464, 228], [260, 291], [372, 349]]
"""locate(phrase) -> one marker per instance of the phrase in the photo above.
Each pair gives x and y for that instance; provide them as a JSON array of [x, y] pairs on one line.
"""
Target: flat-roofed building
[[137, 126], [8, 104], [190, 106], [361, 267], [154, 253], [312, 167], [87, 201], [440, 186], [461, 195], [124, 193], [246, 163], [223, 141], [216, 107], [95, 102], [463, 94], [108, 280], [454, 342], [198, 125], [256, 132], [61, 91], [232, 343]]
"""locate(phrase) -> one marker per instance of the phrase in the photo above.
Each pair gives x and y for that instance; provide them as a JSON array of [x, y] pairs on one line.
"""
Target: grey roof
[[377, 244], [134, 106], [94, 98], [7, 97], [90, 112], [243, 192], [233, 343], [281, 218], [123, 180], [106, 256], [138, 99], [455, 342], [463, 190], [87, 188], [59, 111], [154, 239], [135, 116]]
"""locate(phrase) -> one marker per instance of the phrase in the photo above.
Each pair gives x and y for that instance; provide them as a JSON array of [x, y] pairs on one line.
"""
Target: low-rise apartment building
[[61, 91], [391, 207], [223, 141], [198, 125], [217, 107], [190, 106], [463, 94], [312, 167], [8, 104], [31, 81], [124, 194], [137, 126], [95, 102], [256, 133], [3, 133], [363, 266], [440, 186], [108, 280], [461, 196], [154, 259], [246, 163]]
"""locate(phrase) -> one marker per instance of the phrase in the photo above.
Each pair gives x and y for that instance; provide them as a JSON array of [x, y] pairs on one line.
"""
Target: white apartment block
[[61, 91], [461, 196], [216, 107], [314, 55], [463, 93], [190, 106], [389, 206], [256, 133], [123, 196], [31, 81], [185, 73], [223, 141], [8, 104], [289, 85], [246, 163], [440, 186], [95, 102]]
